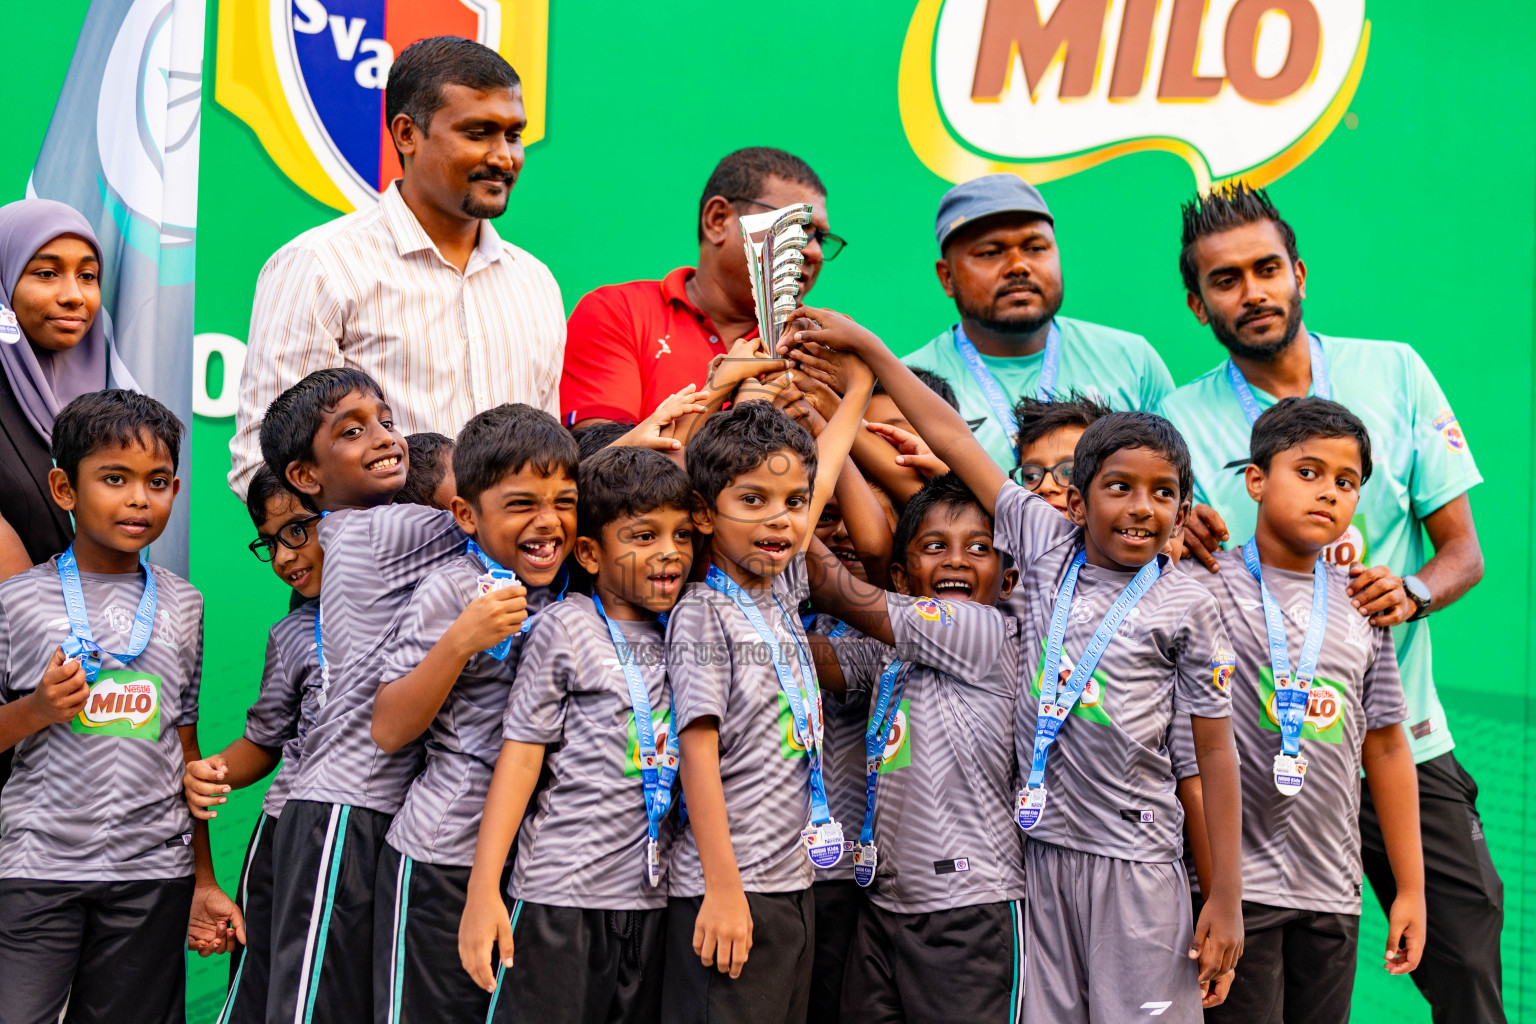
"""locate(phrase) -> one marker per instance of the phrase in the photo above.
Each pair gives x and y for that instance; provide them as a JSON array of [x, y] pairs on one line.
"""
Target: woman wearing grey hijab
[[55, 345]]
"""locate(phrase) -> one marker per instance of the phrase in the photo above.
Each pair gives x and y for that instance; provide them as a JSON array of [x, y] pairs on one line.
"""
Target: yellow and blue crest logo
[[308, 77]]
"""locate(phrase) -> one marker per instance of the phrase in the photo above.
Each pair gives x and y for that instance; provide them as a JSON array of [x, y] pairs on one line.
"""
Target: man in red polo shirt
[[629, 346]]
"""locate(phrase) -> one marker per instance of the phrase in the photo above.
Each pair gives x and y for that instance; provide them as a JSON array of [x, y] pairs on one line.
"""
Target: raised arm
[[835, 441], [844, 596], [939, 425]]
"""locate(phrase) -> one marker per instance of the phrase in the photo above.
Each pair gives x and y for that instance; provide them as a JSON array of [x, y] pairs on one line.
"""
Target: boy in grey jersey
[[275, 727], [942, 937], [98, 854], [1301, 850], [1118, 940], [331, 439], [447, 671], [745, 704], [588, 918]]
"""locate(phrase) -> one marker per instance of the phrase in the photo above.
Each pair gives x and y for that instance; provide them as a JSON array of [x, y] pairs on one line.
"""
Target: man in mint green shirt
[[1000, 264], [1245, 279]]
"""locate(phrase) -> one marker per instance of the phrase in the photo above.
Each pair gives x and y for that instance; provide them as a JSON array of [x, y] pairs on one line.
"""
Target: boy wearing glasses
[[1048, 433], [275, 727]]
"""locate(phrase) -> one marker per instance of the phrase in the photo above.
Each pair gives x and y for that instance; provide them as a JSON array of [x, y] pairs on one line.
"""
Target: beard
[[1020, 322], [1226, 330], [486, 209]]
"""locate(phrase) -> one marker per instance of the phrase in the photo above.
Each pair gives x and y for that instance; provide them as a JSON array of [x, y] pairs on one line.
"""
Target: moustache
[[1254, 314], [1016, 287], [501, 176]]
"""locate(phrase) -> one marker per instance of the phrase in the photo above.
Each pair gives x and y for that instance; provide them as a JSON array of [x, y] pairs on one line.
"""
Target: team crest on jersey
[[308, 77], [121, 703], [933, 610], [1450, 429], [1223, 664]]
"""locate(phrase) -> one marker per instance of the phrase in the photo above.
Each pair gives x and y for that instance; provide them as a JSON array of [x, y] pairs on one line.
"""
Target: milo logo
[[1325, 709], [121, 703], [898, 748], [1351, 547], [661, 727]]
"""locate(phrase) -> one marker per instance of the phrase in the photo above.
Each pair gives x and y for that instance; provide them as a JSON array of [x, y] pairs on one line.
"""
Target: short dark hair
[[947, 492], [617, 483], [594, 437], [1123, 430], [417, 76], [1226, 207], [264, 486], [938, 385], [431, 456], [506, 439], [1291, 421], [99, 419], [744, 173], [730, 444], [1037, 418], [293, 419]]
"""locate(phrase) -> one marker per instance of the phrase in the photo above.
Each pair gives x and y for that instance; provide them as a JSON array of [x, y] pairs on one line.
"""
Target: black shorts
[[417, 975], [579, 966], [117, 951], [838, 905], [775, 984], [250, 966], [326, 857], [964, 964], [1298, 967]]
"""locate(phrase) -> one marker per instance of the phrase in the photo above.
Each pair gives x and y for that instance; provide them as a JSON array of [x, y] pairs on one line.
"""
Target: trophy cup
[[775, 243]]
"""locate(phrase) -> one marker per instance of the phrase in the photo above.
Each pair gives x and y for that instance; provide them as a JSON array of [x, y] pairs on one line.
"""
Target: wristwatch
[[1419, 594]]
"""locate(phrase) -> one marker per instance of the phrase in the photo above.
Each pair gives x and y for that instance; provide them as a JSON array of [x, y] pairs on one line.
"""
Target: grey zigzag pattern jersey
[[583, 842], [440, 818], [373, 560], [1303, 851], [719, 668], [99, 798], [944, 796], [846, 718], [285, 708], [1109, 776]]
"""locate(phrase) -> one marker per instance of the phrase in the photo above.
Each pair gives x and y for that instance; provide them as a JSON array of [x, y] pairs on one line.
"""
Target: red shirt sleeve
[[601, 375]]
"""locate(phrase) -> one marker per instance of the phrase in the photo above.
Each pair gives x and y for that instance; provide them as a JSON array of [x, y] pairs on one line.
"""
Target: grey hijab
[[45, 382]]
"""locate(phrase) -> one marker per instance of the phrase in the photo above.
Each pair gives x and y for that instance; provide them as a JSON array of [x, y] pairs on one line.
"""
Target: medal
[[1289, 774], [10, 330], [652, 862], [824, 843], [1031, 804], [865, 858]]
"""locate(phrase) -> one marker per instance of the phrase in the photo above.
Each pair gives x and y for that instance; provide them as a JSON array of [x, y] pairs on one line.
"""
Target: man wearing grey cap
[[999, 262]]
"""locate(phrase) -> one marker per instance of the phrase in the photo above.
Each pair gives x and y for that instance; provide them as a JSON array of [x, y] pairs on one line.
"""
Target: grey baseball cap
[[984, 196]]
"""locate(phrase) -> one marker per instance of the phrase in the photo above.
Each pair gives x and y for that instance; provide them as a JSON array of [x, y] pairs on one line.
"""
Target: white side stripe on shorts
[[316, 911]]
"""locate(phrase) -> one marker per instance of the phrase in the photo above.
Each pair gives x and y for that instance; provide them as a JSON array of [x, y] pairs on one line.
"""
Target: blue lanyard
[[325, 672], [1291, 691], [80, 642], [805, 708], [1321, 387], [882, 718], [655, 776], [494, 568], [992, 391], [1056, 699]]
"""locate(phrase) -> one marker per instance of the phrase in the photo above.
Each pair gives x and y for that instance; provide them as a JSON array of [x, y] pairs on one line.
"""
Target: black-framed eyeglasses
[[292, 536], [831, 244], [1031, 476]]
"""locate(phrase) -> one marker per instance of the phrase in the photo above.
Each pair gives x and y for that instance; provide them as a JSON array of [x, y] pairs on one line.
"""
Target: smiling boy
[[1108, 917], [592, 713], [745, 702], [100, 663], [447, 674], [942, 936]]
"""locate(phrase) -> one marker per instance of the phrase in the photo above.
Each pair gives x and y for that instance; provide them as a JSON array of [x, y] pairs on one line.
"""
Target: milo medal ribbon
[[1292, 691]]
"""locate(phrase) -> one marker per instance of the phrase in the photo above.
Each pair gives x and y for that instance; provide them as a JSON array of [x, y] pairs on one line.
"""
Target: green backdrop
[[1416, 218]]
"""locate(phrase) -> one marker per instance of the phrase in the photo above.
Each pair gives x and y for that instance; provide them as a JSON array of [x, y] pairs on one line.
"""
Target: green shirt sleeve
[[1443, 467], [1156, 382]]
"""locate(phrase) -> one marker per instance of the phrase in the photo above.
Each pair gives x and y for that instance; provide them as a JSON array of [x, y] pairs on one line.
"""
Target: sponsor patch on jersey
[[1223, 663], [661, 723], [1445, 422], [933, 610], [121, 703], [950, 867], [1325, 708], [898, 745]]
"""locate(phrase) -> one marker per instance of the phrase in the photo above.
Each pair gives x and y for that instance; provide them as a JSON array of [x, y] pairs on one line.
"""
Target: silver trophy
[[775, 243]]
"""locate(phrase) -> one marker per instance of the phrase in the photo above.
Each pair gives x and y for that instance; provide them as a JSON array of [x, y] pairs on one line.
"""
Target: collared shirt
[[632, 345], [371, 290]]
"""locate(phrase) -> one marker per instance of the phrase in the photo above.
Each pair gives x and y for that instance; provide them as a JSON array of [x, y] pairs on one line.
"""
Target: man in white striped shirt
[[420, 291]]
